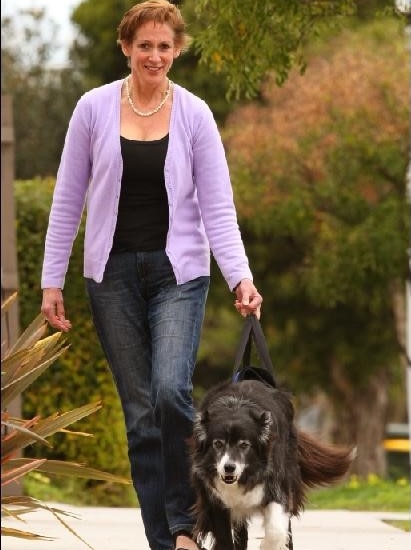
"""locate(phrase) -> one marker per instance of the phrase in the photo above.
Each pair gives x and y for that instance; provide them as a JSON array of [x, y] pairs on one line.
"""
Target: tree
[[43, 97], [320, 186], [245, 41], [96, 48]]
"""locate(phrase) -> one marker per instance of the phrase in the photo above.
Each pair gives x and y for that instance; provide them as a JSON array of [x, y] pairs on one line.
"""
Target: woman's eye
[[161, 47]]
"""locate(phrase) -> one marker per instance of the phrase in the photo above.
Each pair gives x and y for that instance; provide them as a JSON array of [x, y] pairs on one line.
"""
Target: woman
[[146, 158]]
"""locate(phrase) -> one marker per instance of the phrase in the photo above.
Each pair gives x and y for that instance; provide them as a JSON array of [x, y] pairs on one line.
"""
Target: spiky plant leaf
[[16, 506], [8, 302], [62, 467], [12, 427], [31, 335], [57, 513], [9, 475], [30, 356], [23, 367], [18, 533], [48, 426]]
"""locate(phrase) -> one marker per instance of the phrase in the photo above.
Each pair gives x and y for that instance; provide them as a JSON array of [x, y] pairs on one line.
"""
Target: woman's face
[[152, 52]]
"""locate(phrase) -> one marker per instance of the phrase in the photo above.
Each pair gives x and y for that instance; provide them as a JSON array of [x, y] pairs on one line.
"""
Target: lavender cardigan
[[201, 209]]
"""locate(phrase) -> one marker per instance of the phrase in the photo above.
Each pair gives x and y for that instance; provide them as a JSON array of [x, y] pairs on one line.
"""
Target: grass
[[399, 524], [372, 494], [78, 492]]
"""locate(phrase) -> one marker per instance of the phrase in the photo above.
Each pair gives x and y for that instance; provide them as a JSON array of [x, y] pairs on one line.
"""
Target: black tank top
[[142, 220]]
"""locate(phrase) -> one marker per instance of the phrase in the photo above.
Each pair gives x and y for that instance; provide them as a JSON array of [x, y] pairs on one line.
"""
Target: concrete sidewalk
[[122, 529]]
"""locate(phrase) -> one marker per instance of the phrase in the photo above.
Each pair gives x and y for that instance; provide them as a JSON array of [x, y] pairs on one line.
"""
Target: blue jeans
[[149, 328]]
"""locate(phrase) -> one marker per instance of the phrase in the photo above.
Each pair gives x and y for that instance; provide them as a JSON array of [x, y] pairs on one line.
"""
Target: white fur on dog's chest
[[240, 502]]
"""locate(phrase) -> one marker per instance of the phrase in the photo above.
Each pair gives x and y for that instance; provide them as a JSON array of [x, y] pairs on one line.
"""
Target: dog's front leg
[[240, 535], [221, 530], [214, 519], [276, 521]]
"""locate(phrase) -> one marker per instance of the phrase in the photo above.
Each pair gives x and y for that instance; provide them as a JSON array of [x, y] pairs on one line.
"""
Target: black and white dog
[[248, 457]]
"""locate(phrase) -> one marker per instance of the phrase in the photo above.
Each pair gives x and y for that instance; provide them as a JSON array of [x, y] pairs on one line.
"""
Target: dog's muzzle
[[229, 476]]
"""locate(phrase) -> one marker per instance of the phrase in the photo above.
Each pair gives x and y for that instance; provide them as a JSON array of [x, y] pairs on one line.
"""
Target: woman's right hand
[[52, 308]]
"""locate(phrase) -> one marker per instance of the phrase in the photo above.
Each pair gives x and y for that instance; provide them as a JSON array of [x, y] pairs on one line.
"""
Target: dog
[[248, 457]]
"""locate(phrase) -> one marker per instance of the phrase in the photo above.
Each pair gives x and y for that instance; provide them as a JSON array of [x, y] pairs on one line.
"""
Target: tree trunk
[[361, 416], [398, 293]]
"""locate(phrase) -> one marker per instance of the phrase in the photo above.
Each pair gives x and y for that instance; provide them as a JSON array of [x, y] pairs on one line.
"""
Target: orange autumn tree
[[319, 173]]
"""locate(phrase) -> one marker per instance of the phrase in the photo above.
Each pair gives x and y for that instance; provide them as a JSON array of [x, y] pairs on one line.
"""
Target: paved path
[[122, 529]]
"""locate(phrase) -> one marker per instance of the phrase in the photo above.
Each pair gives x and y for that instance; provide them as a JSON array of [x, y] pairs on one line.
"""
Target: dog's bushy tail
[[321, 463]]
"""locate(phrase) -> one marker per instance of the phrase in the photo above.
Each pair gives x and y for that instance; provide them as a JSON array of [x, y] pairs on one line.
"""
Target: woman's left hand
[[248, 299]]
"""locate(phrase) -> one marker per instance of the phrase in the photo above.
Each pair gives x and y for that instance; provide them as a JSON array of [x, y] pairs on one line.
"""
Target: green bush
[[82, 374]]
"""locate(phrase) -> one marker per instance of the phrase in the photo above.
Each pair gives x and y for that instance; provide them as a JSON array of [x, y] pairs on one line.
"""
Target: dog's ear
[[265, 421], [199, 430]]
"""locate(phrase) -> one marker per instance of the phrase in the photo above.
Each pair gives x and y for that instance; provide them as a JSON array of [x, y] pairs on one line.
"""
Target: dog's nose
[[229, 468]]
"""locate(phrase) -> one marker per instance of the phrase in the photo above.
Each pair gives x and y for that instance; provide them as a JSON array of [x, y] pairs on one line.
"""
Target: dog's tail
[[320, 463]]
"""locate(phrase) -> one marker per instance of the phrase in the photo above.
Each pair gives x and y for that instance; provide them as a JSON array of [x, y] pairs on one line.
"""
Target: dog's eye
[[243, 444], [218, 444]]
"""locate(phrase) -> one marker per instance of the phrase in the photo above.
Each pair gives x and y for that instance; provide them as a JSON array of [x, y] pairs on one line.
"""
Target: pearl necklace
[[156, 109]]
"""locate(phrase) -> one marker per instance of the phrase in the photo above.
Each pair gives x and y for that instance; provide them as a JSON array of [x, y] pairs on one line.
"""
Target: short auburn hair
[[159, 11]]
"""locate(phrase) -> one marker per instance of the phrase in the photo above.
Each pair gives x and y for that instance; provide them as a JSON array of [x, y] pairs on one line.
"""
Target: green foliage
[[81, 374], [244, 41], [356, 213]]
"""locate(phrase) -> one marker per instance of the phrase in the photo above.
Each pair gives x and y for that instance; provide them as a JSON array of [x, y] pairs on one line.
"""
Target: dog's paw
[[276, 525], [277, 544]]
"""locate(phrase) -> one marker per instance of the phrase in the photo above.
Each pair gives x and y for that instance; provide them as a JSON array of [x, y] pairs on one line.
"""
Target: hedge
[[81, 375]]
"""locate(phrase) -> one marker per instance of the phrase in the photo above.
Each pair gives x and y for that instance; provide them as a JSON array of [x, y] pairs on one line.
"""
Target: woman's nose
[[155, 53]]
